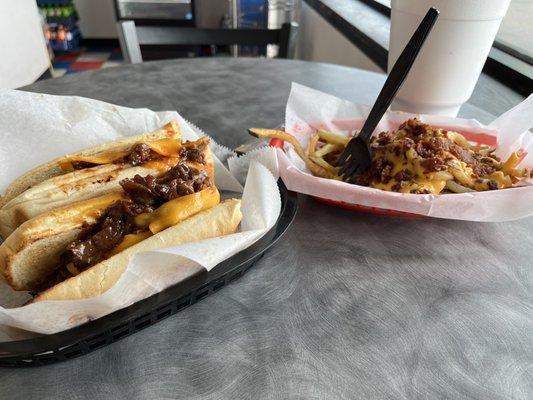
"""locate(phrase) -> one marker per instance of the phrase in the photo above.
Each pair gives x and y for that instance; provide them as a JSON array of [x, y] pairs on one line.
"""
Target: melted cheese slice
[[166, 147], [169, 214], [163, 164], [130, 240], [178, 209], [97, 159]]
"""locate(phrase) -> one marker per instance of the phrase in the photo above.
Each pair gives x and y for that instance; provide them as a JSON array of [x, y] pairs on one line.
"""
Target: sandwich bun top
[[86, 183], [53, 168]]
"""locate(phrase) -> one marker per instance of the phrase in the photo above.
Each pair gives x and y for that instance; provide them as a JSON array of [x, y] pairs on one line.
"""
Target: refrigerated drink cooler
[[157, 12]]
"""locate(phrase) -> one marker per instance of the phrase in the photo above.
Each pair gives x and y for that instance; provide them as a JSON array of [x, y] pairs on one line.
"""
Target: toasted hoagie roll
[[220, 220], [32, 252], [58, 166], [99, 234], [98, 171]]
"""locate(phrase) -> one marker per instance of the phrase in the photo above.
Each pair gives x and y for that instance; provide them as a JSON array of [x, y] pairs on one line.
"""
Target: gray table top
[[346, 306]]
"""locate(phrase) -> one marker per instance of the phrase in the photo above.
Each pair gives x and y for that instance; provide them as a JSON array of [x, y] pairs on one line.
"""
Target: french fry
[[273, 133], [511, 163], [333, 138], [442, 176], [324, 164], [311, 146], [276, 134], [459, 139], [454, 187], [504, 180], [494, 162], [482, 149], [319, 171], [326, 149], [518, 172], [460, 175]]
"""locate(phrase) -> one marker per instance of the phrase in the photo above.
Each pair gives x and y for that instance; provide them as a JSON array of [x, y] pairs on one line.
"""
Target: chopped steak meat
[[132, 209], [493, 185], [417, 151], [178, 181], [437, 144], [396, 187], [384, 138], [424, 150], [139, 188], [462, 154], [415, 128], [189, 151], [195, 154], [365, 178], [385, 175], [403, 175], [484, 168], [433, 164], [420, 159], [140, 154], [97, 240], [145, 194], [408, 143], [418, 144]]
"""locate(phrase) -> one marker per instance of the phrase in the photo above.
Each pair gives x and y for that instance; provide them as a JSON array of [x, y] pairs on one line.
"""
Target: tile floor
[[86, 59]]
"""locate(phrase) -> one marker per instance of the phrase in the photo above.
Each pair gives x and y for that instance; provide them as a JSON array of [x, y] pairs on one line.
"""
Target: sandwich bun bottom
[[220, 220], [32, 251]]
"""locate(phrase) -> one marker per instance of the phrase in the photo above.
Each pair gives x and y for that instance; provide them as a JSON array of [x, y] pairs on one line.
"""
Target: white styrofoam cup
[[448, 66]]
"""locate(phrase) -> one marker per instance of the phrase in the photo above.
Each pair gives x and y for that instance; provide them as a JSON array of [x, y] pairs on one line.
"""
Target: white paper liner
[[238, 165], [309, 109], [35, 128]]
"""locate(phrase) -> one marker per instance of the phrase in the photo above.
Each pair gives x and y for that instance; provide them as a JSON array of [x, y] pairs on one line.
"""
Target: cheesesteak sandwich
[[94, 172], [81, 249]]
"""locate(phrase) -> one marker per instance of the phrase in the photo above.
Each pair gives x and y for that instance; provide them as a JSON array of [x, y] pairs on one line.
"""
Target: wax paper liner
[[35, 128], [309, 109]]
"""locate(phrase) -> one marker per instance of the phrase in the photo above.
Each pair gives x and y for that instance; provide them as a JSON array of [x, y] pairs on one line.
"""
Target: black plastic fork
[[356, 158]]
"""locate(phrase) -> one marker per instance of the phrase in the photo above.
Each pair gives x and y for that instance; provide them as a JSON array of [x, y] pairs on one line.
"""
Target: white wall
[[23, 53], [97, 18], [319, 41]]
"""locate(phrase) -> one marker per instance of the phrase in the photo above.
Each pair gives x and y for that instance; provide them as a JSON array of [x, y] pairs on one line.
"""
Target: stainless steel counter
[[345, 306]]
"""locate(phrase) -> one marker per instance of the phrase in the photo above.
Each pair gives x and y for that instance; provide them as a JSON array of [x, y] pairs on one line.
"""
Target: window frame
[[507, 68]]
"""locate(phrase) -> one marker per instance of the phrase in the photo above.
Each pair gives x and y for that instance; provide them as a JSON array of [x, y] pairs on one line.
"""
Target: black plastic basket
[[108, 329]]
